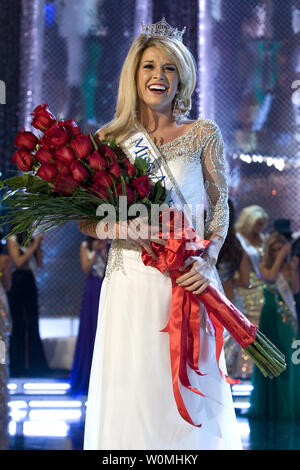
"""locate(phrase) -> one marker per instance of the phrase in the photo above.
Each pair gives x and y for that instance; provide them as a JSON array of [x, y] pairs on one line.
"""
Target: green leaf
[[31, 182], [112, 143], [141, 165], [39, 186], [111, 195], [123, 186], [18, 181], [158, 191]]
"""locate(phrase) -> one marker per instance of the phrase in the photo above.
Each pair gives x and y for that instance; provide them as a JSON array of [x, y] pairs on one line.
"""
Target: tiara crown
[[162, 28]]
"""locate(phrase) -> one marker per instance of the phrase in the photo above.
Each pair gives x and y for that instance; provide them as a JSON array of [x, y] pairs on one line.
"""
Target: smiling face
[[157, 80]]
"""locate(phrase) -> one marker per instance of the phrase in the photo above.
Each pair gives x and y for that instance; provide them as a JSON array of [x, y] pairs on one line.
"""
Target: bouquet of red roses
[[66, 175]]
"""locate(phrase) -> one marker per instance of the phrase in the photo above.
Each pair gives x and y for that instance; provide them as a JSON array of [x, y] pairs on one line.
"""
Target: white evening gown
[[130, 402]]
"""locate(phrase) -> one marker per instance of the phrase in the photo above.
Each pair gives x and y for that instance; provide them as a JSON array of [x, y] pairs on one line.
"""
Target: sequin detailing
[[202, 143], [238, 363], [215, 176], [185, 148], [115, 260]]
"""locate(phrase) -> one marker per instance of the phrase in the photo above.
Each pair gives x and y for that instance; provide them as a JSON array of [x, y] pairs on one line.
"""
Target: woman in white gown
[[130, 402]]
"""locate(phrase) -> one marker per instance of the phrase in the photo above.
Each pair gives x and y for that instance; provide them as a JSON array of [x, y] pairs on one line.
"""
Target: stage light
[[12, 386], [241, 405], [12, 428], [242, 388], [35, 428], [46, 386], [54, 415], [55, 404], [244, 428], [17, 404], [18, 415], [202, 46]]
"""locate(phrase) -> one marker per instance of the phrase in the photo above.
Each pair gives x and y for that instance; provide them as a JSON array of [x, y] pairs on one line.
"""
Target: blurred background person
[[283, 226], [93, 258], [249, 226], [278, 398], [27, 356], [233, 269], [5, 330]]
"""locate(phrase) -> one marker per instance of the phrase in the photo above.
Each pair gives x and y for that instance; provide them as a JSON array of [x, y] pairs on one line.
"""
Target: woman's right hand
[[142, 234], [87, 227]]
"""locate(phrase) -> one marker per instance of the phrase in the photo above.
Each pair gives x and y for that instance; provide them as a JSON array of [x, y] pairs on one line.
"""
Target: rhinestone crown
[[162, 28]]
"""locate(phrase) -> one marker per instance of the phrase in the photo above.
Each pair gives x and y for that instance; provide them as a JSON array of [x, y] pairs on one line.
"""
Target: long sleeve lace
[[215, 177]]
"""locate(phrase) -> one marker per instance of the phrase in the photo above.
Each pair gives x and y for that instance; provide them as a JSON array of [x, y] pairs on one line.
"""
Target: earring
[[177, 112]]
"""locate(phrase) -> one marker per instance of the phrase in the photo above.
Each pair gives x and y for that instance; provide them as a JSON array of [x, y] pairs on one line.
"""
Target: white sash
[[251, 252], [286, 293], [141, 145]]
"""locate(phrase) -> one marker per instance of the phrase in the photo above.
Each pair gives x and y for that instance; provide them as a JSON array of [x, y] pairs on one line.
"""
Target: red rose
[[26, 139], [115, 170], [23, 159], [62, 168], [72, 128], [142, 185], [129, 167], [42, 117], [103, 178], [56, 136], [99, 191], [129, 193], [97, 161], [47, 172], [79, 172], [65, 155], [82, 146], [64, 184], [44, 155], [107, 152], [43, 142]]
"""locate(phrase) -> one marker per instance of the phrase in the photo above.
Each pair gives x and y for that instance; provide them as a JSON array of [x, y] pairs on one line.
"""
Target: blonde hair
[[275, 237], [248, 218], [125, 119]]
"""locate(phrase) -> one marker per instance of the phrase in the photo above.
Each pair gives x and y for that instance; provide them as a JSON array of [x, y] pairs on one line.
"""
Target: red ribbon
[[184, 321]]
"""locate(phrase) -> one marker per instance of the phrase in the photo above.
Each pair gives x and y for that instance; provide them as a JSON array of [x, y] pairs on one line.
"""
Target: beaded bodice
[[196, 160]]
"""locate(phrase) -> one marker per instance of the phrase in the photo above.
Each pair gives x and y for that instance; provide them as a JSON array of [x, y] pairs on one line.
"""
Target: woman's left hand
[[196, 279]]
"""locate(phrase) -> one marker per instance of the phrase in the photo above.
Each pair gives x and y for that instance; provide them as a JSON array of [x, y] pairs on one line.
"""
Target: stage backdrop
[[248, 56]]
